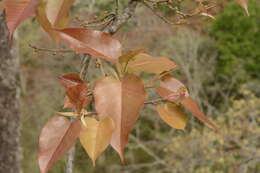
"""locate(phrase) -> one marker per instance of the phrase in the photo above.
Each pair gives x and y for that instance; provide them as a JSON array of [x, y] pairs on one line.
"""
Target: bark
[[9, 105], [121, 19]]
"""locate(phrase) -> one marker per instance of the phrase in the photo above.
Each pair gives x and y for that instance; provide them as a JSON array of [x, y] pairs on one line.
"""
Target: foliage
[[238, 40], [118, 96], [235, 150]]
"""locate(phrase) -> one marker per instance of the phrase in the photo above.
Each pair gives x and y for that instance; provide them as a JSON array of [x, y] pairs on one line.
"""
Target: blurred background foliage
[[220, 63], [238, 40]]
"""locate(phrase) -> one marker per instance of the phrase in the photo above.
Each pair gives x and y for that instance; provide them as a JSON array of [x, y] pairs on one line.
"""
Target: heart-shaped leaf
[[146, 63], [96, 136], [96, 43], [18, 11], [172, 115], [56, 138], [122, 101]]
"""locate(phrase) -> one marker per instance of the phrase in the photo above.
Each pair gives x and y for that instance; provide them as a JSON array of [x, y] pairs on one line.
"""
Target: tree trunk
[[9, 105]]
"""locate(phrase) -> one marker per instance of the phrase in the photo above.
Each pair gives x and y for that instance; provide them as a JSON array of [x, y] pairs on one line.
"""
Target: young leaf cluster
[[118, 102]]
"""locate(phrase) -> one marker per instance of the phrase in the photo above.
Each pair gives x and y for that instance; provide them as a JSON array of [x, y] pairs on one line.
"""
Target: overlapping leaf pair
[[174, 91]]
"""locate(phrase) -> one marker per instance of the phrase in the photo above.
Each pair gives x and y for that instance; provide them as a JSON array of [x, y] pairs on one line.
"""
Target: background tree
[[9, 104]]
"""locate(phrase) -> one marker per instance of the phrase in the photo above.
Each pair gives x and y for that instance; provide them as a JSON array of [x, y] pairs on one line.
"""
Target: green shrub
[[238, 41], [234, 150]]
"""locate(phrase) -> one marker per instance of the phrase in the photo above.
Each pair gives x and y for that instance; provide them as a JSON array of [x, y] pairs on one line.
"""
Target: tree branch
[[85, 60], [112, 28], [121, 19], [70, 159], [158, 14]]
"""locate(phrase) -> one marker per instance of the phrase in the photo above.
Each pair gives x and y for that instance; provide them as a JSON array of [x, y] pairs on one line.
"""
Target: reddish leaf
[[193, 107], [244, 5], [58, 12], [146, 63], [53, 14], [70, 80], [67, 103], [122, 101], [17, 11], [56, 138], [77, 91], [172, 89], [78, 96], [41, 17], [96, 43]]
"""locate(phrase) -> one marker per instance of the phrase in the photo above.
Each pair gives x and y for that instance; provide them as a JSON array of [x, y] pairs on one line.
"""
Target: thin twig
[[71, 154], [148, 151], [158, 14], [50, 50], [95, 23], [117, 6], [155, 101], [85, 60]]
